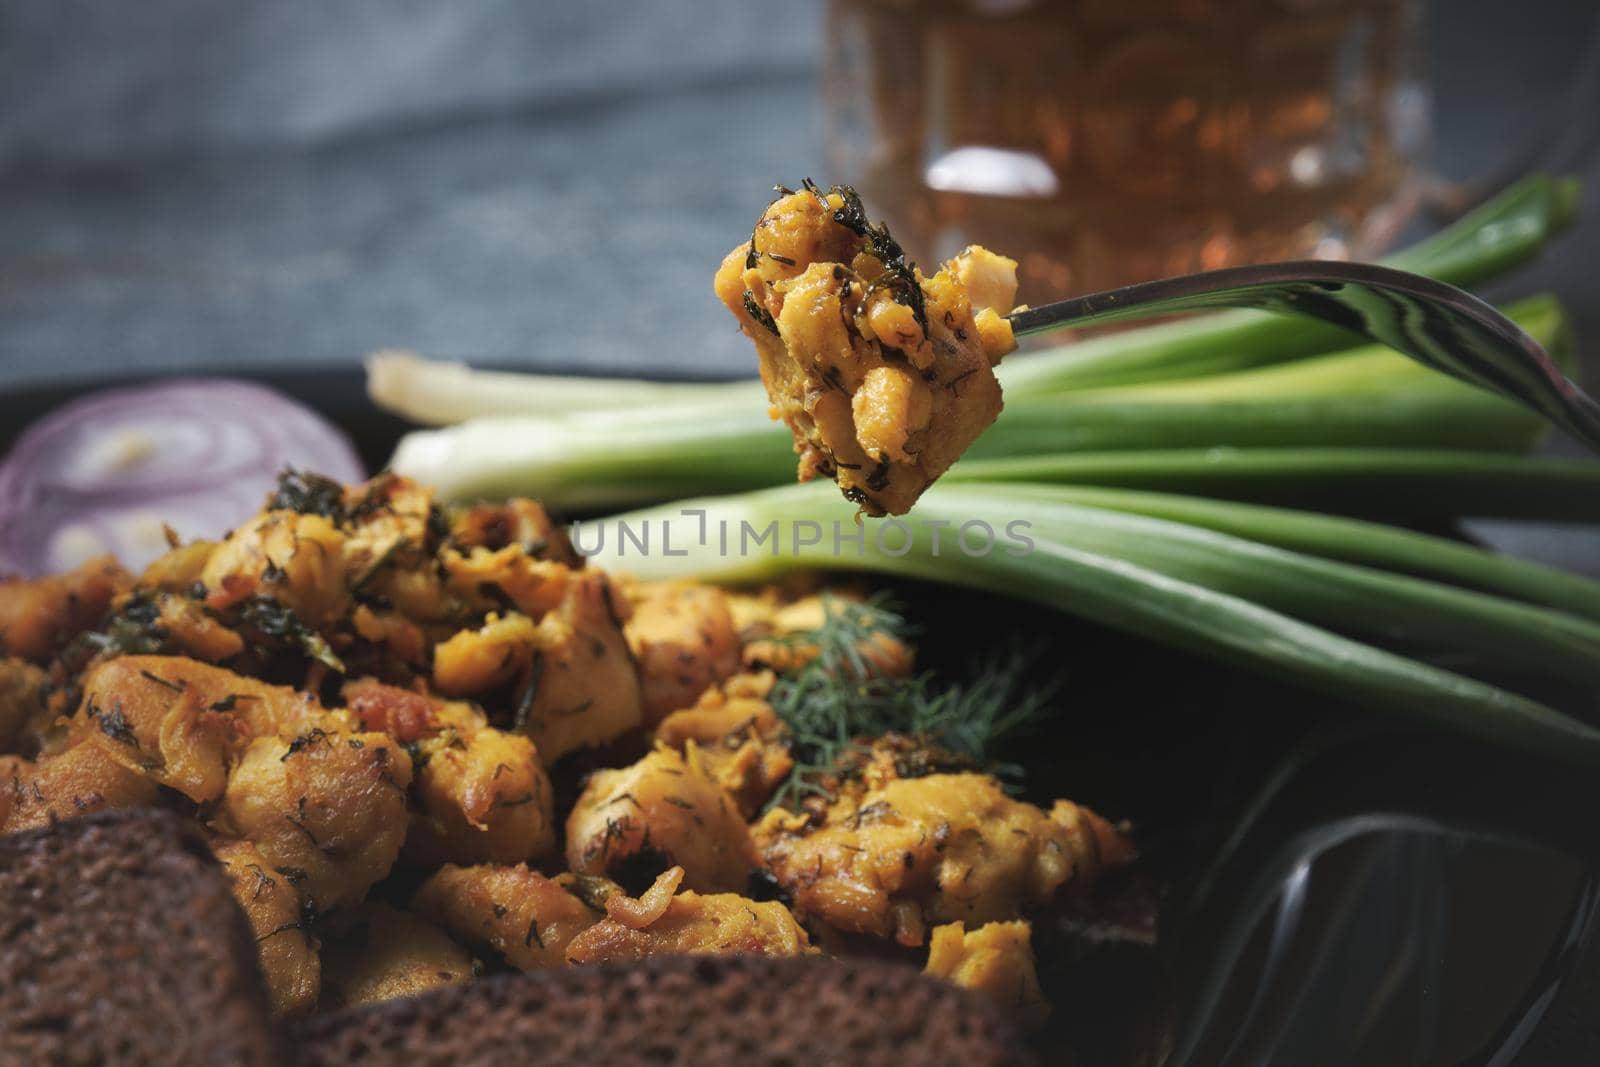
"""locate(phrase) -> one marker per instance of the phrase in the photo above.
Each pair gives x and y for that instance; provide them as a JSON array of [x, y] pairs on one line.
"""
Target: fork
[[1436, 324]]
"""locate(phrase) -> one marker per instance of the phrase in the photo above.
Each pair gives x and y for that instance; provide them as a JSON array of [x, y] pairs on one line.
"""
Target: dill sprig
[[839, 700]]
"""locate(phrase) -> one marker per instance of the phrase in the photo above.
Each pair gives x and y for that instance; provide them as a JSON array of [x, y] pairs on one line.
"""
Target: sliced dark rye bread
[[741, 1010], [121, 946]]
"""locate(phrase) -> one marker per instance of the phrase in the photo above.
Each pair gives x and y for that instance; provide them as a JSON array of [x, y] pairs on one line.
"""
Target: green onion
[[1420, 614], [1355, 541], [1398, 484], [1187, 587], [435, 393], [1366, 397]]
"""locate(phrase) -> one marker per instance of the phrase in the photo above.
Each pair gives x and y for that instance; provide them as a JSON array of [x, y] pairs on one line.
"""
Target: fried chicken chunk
[[995, 960], [483, 793], [666, 810], [661, 924], [683, 638], [524, 916], [486, 799], [184, 723], [22, 704], [587, 690], [883, 376], [327, 809], [890, 858], [38, 617], [296, 559], [773, 634], [379, 953], [81, 780], [286, 950], [739, 737]]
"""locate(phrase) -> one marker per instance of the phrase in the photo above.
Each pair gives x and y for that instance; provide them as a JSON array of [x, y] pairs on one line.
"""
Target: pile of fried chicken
[[429, 742]]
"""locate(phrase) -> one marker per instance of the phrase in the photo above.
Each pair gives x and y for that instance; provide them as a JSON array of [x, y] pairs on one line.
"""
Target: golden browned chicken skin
[[890, 857], [285, 947], [519, 913], [683, 639], [883, 376], [375, 953], [667, 809], [996, 960], [666, 922]]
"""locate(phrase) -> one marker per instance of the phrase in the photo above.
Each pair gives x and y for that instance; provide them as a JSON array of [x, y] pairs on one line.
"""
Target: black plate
[[1333, 892]]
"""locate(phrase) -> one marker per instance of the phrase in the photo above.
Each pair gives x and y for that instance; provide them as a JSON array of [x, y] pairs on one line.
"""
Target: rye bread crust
[[121, 946], [745, 1010]]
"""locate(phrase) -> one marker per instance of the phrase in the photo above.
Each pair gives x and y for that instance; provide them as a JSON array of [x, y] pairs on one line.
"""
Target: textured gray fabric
[[186, 184], [105, 80]]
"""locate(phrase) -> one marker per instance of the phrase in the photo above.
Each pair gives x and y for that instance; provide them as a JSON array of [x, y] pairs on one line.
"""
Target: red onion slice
[[104, 473]]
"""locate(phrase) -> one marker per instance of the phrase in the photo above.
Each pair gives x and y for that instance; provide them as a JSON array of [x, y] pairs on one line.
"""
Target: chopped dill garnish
[[839, 701], [277, 621]]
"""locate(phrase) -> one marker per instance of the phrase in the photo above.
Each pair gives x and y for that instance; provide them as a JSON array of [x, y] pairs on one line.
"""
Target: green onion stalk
[[1500, 235], [1365, 397], [1361, 632], [1401, 485]]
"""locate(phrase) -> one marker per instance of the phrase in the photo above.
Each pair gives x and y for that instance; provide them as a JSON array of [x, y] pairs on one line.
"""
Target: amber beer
[[1103, 142]]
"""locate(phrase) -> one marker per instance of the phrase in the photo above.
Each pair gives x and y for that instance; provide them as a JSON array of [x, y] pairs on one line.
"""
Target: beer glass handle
[[1562, 143]]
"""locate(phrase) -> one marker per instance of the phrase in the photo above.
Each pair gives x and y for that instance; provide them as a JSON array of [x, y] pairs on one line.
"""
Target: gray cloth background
[[192, 184]]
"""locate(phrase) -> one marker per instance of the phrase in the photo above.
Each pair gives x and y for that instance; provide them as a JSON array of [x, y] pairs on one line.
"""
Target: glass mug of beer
[[1105, 142]]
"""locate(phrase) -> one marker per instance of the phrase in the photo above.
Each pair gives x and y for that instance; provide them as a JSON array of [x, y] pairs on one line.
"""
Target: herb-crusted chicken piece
[[519, 913], [378, 953], [683, 639], [889, 858], [483, 793], [573, 673], [666, 810], [739, 737], [779, 636], [885, 377], [183, 723], [327, 809], [81, 780], [486, 799], [285, 947], [995, 960], [583, 685], [39, 616], [659, 923]]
